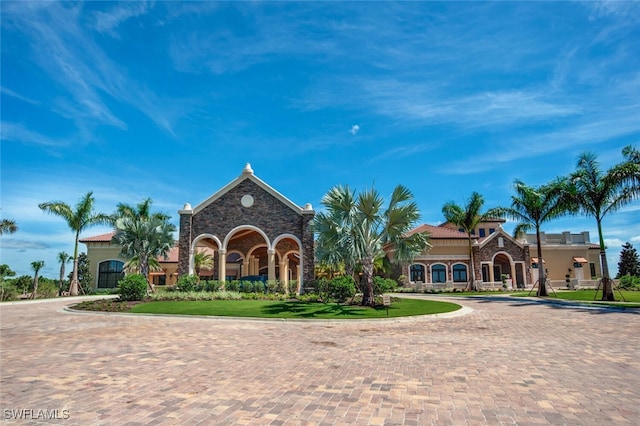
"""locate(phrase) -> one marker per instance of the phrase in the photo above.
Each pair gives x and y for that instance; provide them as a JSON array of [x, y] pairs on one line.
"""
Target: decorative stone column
[[185, 256], [222, 265], [271, 265]]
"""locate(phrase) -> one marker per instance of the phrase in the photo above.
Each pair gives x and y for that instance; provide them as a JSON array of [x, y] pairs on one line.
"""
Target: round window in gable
[[246, 200]]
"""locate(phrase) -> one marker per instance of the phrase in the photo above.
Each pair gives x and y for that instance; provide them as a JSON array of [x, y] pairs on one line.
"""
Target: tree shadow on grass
[[306, 310]]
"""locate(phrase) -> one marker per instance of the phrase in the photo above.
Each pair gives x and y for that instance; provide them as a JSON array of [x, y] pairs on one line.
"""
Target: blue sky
[[169, 100]]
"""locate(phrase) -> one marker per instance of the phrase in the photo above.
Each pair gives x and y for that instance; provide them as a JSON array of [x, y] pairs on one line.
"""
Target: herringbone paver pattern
[[506, 362]]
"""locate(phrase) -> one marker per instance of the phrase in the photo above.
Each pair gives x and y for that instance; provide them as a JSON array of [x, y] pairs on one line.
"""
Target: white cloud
[[354, 129], [107, 22]]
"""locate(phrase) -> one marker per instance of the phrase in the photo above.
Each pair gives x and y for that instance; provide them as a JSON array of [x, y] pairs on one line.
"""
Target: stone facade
[[248, 205]]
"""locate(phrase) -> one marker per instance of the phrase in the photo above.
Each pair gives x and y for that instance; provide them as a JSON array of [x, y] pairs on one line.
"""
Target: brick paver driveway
[[506, 362]]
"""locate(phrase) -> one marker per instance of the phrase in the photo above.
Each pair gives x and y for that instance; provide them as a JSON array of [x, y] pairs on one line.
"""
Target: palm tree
[[202, 259], [142, 211], [8, 226], [597, 193], [78, 220], [144, 239], [362, 230], [468, 218], [37, 265], [63, 258], [534, 206]]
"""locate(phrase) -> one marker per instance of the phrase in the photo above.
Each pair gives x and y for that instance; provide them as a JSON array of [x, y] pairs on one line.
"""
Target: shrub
[[47, 289], [8, 292], [341, 289], [293, 286], [275, 286], [232, 286], [187, 282], [629, 282], [212, 285], [383, 285], [133, 287]]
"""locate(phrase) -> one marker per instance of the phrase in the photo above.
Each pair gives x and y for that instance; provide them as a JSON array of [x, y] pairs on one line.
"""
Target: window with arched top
[[438, 274], [417, 273], [460, 273], [110, 272]]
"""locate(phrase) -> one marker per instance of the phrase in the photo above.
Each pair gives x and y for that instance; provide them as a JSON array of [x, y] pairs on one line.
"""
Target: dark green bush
[[233, 285], [211, 285], [187, 282], [383, 285], [133, 287], [341, 289]]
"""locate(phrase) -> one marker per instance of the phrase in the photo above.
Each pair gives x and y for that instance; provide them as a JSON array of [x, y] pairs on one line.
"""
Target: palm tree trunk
[[61, 279], [35, 286], [542, 278], [607, 283], [367, 288], [73, 286], [472, 275]]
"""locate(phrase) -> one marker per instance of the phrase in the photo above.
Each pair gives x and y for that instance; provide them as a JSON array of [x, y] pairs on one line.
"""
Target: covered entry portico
[[251, 229]]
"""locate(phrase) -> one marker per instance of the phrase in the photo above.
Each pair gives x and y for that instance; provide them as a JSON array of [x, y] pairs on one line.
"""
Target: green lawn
[[299, 310], [588, 295]]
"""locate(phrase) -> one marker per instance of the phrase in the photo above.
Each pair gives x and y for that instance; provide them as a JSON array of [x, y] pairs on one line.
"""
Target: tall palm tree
[[144, 239], [63, 258], [8, 226], [202, 259], [362, 229], [534, 206], [597, 193], [78, 220], [37, 265], [468, 218]]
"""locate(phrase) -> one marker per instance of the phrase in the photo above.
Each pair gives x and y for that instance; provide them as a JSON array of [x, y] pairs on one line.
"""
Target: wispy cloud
[[108, 22], [354, 129], [16, 132], [72, 59], [18, 96]]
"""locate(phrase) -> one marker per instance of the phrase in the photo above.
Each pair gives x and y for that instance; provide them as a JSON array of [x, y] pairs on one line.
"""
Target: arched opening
[[416, 273], [438, 273], [110, 272], [460, 273]]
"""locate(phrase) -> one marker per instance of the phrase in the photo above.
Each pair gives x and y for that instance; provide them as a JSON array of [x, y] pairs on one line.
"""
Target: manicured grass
[[588, 295], [299, 310]]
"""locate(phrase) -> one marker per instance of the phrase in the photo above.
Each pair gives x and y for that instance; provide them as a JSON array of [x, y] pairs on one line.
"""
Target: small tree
[[85, 277], [629, 263], [37, 265], [63, 258], [202, 259]]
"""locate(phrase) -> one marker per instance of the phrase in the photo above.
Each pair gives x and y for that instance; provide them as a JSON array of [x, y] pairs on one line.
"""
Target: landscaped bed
[[274, 309]]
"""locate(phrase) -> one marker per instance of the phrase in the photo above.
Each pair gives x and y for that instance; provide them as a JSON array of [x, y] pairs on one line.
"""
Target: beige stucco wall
[[99, 252]]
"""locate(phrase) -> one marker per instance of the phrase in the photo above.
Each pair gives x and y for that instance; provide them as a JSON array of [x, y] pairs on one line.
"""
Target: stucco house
[[499, 259]]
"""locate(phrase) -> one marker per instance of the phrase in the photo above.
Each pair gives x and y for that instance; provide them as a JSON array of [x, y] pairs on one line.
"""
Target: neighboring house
[[500, 259], [249, 228], [107, 266]]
